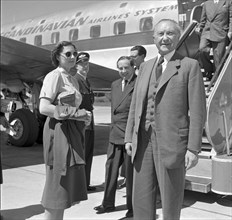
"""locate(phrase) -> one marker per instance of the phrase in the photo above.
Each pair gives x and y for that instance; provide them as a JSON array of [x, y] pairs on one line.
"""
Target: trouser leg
[[172, 192], [123, 170], [114, 161], [129, 181], [171, 183], [218, 51], [145, 181], [204, 55], [89, 147]]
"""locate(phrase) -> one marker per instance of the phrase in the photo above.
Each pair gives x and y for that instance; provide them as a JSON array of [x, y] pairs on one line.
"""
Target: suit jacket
[[180, 92], [120, 105], [87, 97], [216, 20]]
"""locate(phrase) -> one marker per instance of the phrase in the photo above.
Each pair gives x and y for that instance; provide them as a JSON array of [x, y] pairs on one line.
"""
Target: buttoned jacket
[[120, 105], [180, 108], [216, 20]]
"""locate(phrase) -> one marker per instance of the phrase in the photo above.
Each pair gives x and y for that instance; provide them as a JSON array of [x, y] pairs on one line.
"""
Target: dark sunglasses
[[69, 54]]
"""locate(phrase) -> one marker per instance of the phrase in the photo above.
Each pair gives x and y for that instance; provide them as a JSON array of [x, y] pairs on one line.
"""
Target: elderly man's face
[[166, 37], [82, 67], [125, 69]]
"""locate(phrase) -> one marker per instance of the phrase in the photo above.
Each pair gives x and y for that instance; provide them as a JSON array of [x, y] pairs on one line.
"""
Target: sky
[[18, 10]]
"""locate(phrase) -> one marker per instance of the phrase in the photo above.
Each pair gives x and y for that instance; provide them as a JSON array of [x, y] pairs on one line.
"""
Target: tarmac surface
[[24, 178]]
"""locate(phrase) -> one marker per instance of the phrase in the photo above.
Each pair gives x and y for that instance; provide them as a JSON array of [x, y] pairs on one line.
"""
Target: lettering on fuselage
[[80, 21]]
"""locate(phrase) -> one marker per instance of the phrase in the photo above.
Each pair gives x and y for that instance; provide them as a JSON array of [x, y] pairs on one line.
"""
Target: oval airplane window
[[38, 40], [119, 27], [73, 34], [146, 24], [95, 31], [55, 37]]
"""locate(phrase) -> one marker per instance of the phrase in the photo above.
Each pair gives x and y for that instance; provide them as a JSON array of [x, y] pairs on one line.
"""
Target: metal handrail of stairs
[[219, 68]]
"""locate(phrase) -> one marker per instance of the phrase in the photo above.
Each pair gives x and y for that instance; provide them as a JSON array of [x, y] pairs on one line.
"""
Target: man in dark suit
[[165, 124], [215, 26], [82, 67], [138, 53], [121, 94]]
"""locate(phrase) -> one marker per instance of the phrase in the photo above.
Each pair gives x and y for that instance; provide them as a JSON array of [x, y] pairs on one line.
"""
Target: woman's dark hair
[[58, 49], [131, 60]]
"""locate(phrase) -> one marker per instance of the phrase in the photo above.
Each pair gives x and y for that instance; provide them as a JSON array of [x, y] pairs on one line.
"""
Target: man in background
[[82, 68], [215, 28], [138, 53], [121, 94]]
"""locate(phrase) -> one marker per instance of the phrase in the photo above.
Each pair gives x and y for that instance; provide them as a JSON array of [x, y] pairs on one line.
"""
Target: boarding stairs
[[199, 178]]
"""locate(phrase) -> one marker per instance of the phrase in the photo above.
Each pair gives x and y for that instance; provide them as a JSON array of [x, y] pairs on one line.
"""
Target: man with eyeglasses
[[82, 68]]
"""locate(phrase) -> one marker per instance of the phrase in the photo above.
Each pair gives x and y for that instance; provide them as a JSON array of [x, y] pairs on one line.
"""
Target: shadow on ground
[[13, 157], [191, 197], [22, 213]]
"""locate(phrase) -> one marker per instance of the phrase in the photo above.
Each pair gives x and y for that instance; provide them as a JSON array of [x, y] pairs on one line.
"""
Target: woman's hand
[[83, 115], [89, 118]]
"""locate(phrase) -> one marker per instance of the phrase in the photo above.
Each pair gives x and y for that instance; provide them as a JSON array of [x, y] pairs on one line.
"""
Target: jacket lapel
[[146, 75], [218, 7], [118, 91], [171, 69], [127, 90]]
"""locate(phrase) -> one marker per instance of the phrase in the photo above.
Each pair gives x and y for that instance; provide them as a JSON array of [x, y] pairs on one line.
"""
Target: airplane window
[[38, 40], [55, 37], [73, 34], [146, 24], [95, 31], [23, 39], [119, 27]]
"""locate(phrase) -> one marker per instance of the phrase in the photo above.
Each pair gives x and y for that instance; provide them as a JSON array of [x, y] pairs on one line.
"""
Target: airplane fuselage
[[106, 30]]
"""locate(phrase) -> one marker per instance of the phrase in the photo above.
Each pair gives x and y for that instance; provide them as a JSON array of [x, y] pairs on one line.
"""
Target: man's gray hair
[[177, 26]]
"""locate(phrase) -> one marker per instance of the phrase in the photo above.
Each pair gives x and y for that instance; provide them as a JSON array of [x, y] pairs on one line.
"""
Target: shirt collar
[[128, 80], [167, 57]]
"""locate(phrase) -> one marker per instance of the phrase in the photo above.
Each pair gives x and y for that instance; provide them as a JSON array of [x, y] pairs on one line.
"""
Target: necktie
[[124, 82], [159, 67]]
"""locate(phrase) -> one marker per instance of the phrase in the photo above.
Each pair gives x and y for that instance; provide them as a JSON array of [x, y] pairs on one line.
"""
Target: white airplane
[[107, 30]]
